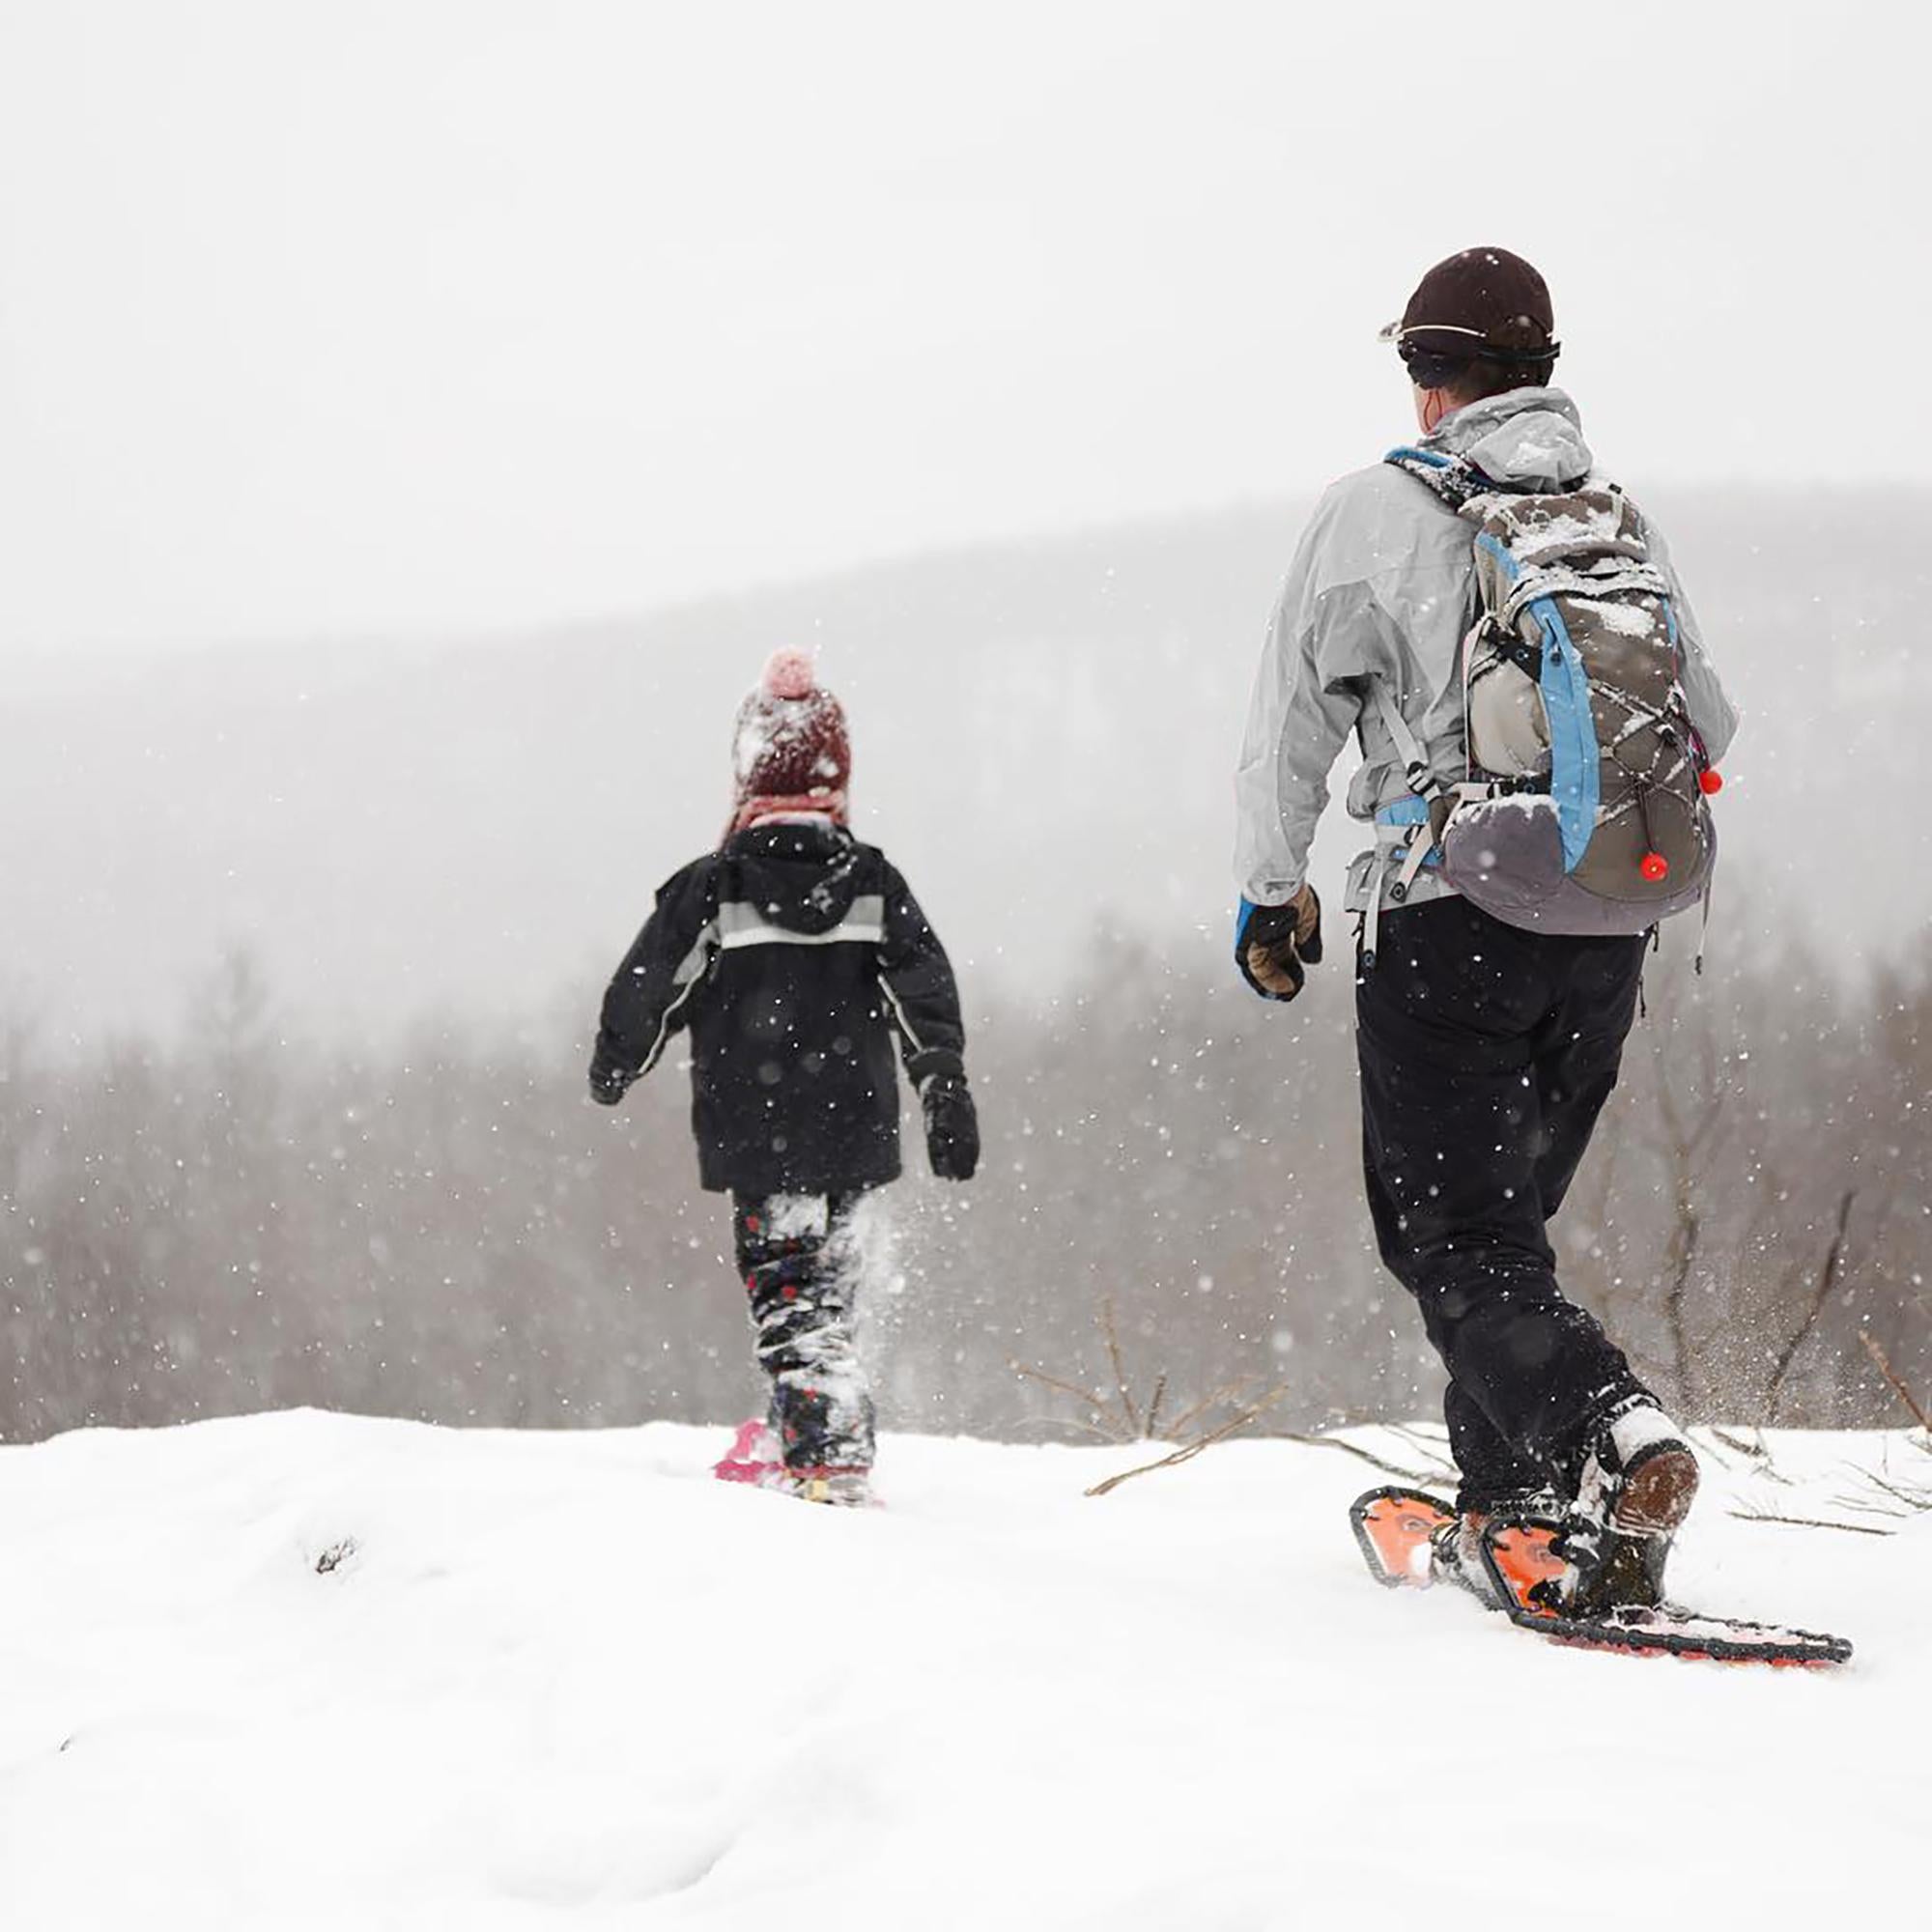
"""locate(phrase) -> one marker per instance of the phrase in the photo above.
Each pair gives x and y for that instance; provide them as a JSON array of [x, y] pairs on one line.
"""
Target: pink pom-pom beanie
[[790, 752]]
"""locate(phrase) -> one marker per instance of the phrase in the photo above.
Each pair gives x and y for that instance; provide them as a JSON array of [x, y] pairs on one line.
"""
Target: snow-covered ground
[[306, 1670]]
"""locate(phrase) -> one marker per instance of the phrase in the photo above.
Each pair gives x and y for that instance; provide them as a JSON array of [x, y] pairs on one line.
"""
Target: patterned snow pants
[[796, 1257]]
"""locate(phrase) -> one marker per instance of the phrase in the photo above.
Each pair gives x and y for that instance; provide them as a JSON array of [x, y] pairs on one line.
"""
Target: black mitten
[[607, 1084], [951, 1127]]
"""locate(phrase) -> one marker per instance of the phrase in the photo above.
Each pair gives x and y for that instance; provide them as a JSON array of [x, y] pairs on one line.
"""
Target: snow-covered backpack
[[1584, 807]]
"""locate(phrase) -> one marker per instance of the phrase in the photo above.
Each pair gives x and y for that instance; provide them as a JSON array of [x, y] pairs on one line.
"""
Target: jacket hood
[[1532, 438], [800, 875]]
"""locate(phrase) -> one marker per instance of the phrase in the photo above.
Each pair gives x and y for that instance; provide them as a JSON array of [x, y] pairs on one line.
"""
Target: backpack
[[1585, 809]]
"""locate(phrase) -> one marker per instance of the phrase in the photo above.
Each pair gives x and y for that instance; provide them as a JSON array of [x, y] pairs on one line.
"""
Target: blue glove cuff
[[1244, 913]]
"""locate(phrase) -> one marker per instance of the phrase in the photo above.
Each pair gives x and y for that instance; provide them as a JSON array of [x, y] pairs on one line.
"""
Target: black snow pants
[[798, 1263], [1487, 1054]]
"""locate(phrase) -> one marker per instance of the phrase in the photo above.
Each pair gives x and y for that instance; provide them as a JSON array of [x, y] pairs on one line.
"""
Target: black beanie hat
[[1484, 302]]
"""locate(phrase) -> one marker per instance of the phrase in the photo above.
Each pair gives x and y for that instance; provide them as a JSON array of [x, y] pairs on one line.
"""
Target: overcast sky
[[427, 314]]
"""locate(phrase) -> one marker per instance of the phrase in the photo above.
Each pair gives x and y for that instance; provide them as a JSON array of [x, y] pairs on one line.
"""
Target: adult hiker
[[1540, 725]]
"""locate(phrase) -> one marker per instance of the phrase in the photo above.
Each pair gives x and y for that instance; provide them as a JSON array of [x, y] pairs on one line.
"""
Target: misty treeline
[[241, 1215]]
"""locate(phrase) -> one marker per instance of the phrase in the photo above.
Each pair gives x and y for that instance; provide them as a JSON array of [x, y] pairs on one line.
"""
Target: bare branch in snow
[[1154, 1406], [1443, 1472], [1903, 1393], [1684, 1149], [1916, 1501], [1087, 1398], [1431, 1442], [1809, 1522], [1828, 1277], [1188, 1450], [1228, 1392], [1130, 1411], [1714, 1442]]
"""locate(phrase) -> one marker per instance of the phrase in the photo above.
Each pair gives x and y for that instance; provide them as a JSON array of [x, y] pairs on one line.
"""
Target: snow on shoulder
[[304, 1671]]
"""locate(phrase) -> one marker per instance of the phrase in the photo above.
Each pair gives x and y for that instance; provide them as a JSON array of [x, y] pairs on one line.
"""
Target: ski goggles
[[1431, 362]]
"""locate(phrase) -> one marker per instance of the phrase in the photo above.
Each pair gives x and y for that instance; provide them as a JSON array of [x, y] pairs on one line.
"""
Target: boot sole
[[1658, 1492]]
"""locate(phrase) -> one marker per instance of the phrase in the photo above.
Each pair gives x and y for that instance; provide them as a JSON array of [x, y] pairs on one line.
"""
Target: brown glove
[[1272, 944]]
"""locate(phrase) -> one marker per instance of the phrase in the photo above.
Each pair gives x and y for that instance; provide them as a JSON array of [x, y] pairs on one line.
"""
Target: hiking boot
[[1456, 1555], [1456, 1546], [1640, 1476], [1635, 1485]]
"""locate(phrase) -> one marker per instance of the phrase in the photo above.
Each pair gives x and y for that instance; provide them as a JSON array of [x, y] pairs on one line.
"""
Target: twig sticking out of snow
[[1153, 1405], [1442, 1473], [1119, 1415], [1810, 1523], [1427, 1435], [1228, 1392], [1877, 1494], [1128, 1408], [1827, 1280], [1905, 1394], [1913, 1500], [1086, 1398], [1752, 1452], [1188, 1450]]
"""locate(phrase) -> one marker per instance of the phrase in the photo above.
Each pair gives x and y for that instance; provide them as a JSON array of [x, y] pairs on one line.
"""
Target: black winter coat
[[793, 955]]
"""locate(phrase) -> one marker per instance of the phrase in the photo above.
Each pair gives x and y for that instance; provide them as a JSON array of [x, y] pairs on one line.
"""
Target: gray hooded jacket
[[1383, 585]]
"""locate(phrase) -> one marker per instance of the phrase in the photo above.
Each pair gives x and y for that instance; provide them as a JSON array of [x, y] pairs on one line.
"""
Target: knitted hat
[[790, 751]]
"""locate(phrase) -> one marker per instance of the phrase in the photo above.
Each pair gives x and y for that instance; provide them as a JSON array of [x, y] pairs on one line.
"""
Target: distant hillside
[[1043, 737]]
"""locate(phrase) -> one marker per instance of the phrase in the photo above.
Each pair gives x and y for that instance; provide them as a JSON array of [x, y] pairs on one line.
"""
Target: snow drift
[[304, 1671]]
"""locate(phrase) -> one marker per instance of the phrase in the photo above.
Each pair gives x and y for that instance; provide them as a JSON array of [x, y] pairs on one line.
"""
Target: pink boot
[[754, 1456]]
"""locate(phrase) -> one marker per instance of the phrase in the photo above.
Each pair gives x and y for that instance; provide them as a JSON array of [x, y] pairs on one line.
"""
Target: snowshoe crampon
[[1527, 1569], [1394, 1527]]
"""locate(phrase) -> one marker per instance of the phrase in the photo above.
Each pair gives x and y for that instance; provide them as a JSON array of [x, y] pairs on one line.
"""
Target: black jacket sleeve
[[651, 991], [919, 988]]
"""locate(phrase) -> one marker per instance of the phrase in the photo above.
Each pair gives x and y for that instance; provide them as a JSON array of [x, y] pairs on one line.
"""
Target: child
[[793, 953]]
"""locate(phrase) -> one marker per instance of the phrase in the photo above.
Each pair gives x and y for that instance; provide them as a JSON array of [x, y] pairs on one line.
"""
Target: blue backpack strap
[[1404, 812], [1575, 755], [1452, 479]]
